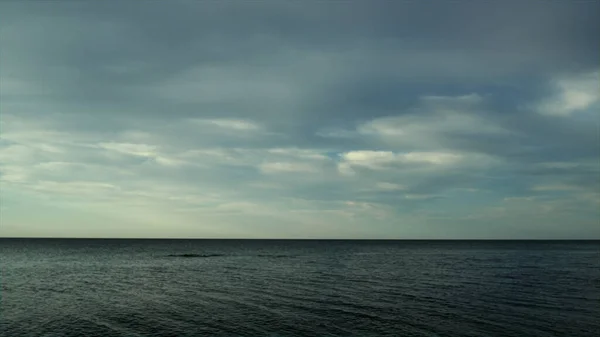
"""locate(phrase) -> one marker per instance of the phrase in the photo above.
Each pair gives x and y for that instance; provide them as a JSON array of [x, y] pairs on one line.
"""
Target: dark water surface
[[298, 288]]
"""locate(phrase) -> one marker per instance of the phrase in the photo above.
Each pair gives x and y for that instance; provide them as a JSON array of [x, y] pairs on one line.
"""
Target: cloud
[[511, 199], [233, 124], [281, 167], [435, 158], [379, 160], [434, 121], [419, 196], [572, 95], [555, 187], [385, 186], [370, 159], [142, 150], [273, 119]]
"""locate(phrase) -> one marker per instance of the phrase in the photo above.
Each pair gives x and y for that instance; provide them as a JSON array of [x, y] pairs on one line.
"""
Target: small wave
[[195, 255], [275, 256]]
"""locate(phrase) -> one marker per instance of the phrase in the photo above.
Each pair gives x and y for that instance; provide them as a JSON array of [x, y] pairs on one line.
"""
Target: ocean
[[76, 287]]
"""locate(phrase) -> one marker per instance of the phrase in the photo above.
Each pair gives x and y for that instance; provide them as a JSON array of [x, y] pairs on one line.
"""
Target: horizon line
[[297, 239]]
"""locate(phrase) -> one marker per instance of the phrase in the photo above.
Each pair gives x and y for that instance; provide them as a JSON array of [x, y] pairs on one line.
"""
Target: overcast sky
[[300, 119]]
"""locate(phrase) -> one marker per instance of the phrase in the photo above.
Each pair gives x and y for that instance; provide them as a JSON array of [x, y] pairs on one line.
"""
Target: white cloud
[[427, 130], [93, 174], [287, 167], [166, 161], [572, 95], [434, 158], [113, 134], [448, 102], [217, 155], [345, 169], [356, 209], [385, 186], [424, 137], [76, 188], [143, 150], [427, 124], [380, 160], [267, 160], [310, 154], [370, 159], [13, 174], [227, 123]]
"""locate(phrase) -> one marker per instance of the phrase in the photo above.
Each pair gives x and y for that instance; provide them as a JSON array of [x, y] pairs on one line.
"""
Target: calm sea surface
[[298, 288]]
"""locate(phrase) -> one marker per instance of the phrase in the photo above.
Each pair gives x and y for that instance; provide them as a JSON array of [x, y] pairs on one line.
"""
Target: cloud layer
[[280, 120]]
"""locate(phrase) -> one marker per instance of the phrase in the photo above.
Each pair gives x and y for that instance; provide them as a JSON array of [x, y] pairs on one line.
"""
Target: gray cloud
[[366, 119]]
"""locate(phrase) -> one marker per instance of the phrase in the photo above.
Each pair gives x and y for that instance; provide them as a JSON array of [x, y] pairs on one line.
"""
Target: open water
[[71, 287]]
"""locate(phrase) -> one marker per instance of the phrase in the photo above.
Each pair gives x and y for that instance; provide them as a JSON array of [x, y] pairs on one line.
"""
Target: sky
[[300, 119]]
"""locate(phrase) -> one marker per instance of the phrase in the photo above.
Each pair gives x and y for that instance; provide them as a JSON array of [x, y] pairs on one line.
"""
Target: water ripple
[[298, 289]]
